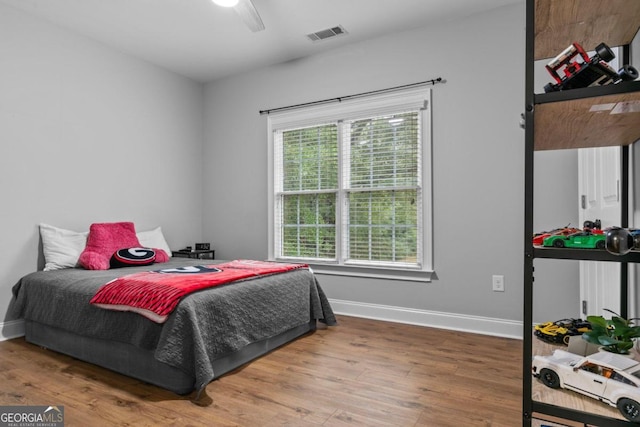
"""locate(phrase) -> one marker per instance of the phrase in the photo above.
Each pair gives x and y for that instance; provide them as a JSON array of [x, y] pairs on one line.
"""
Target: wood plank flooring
[[360, 373]]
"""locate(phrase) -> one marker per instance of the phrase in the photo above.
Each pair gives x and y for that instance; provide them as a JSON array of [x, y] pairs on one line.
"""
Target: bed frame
[[138, 363]]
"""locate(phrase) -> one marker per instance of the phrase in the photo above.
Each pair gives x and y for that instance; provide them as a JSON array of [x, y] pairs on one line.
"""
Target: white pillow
[[61, 247], [154, 239]]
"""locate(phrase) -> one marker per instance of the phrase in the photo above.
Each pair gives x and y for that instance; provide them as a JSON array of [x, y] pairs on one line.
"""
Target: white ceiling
[[203, 41]]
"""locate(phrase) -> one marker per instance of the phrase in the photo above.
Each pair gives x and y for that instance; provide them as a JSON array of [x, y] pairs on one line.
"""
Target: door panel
[[599, 186], [610, 182]]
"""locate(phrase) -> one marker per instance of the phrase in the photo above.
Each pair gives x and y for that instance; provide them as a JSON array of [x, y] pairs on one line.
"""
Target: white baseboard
[[11, 329], [435, 319]]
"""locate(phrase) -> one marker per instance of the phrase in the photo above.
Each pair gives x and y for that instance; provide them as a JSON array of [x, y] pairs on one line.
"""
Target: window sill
[[373, 272]]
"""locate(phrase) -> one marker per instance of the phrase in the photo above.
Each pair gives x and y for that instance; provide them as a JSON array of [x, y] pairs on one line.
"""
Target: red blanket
[[155, 294]]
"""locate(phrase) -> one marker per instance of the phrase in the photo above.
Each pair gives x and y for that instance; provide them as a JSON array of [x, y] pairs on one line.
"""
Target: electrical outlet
[[498, 283]]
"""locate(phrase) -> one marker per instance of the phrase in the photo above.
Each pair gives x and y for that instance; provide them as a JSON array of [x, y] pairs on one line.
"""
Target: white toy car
[[608, 377]]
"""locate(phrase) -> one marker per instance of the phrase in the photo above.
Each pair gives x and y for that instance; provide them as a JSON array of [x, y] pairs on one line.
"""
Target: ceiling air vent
[[327, 34]]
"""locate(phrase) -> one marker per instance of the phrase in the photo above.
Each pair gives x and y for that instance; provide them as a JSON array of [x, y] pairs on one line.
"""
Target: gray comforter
[[205, 325]]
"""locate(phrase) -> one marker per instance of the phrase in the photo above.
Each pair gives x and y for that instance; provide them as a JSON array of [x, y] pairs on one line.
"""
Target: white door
[[599, 188]]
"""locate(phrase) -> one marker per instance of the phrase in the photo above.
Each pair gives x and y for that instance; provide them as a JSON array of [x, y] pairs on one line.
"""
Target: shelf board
[[584, 254], [582, 122], [558, 23], [586, 92], [572, 414]]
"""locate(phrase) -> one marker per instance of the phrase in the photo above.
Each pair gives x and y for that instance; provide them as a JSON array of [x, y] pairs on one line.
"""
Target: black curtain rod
[[342, 98]]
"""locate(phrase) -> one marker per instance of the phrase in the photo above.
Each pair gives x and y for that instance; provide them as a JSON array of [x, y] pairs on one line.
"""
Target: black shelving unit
[[552, 25]]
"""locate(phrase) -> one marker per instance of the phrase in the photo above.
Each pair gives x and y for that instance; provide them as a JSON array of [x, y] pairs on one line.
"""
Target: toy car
[[594, 226], [582, 239], [538, 238], [592, 71], [604, 376], [558, 332]]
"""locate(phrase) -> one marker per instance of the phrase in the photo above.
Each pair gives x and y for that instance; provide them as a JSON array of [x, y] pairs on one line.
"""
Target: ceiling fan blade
[[249, 15]]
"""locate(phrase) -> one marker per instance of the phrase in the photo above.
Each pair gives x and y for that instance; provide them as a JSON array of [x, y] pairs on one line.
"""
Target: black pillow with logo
[[130, 257]]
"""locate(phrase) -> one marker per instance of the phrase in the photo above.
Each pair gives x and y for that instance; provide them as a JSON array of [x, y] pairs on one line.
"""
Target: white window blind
[[307, 196], [382, 184], [348, 184]]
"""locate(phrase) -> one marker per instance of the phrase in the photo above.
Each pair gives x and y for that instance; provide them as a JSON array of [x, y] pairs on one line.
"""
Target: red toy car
[[538, 238], [594, 227], [592, 71]]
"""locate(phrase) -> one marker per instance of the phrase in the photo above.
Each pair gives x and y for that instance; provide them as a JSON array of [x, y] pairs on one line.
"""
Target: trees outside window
[[348, 184]]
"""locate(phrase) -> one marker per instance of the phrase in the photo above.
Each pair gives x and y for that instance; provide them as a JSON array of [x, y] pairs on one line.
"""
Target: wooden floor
[[360, 373]]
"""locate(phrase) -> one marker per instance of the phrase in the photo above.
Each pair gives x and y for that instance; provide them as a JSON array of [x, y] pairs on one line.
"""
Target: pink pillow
[[104, 240], [161, 255]]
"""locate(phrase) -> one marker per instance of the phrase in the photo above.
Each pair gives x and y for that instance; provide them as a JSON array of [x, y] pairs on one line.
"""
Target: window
[[350, 190]]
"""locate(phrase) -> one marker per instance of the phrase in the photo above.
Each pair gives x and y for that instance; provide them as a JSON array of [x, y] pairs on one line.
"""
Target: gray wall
[[478, 151], [76, 117], [89, 135]]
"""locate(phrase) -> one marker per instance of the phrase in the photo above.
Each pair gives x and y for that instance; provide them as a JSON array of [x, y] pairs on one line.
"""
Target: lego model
[[573, 68], [583, 239], [594, 226], [607, 377], [558, 332], [538, 238]]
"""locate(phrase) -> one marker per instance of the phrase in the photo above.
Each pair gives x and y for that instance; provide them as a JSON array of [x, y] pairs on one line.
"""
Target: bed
[[210, 332]]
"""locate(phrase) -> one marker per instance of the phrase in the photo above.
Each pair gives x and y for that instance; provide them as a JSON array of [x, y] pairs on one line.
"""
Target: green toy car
[[582, 239]]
